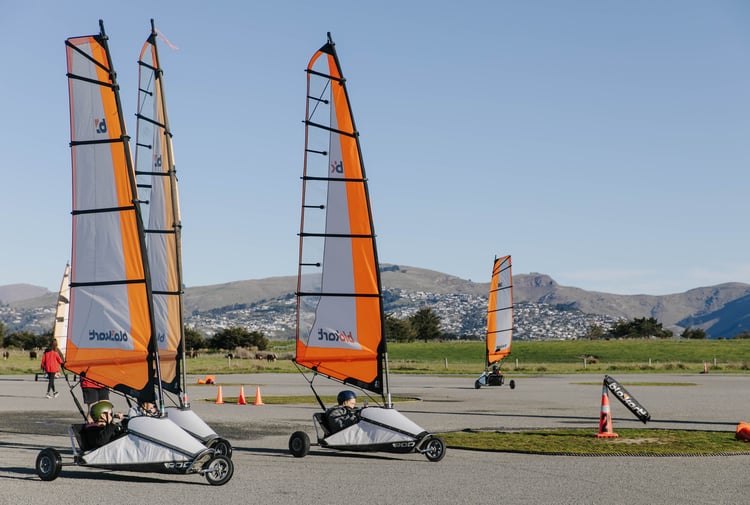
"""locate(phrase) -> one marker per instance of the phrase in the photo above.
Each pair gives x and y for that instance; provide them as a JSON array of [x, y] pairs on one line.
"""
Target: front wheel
[[220, 470], [48, 464], [299, 444], [222, 447], [512, 384], [435, 449], [477, 384]]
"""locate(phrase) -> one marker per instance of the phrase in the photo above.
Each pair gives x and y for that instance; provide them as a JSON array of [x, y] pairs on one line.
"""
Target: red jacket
[[51, 361]]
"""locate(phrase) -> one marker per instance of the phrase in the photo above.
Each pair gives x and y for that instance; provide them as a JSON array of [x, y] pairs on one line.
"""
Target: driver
[[103, 429], [343, 414]]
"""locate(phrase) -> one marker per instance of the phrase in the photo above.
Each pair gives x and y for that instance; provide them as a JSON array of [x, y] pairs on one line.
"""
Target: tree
[[426, 324], [231, 338], [194, 339], [639, 328], [694, 333], [398, 330], [22, 340], [595, 332]]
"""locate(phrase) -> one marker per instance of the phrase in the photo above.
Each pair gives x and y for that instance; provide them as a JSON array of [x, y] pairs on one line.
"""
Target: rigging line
[[333, 130], [147, 146], [319, 100]]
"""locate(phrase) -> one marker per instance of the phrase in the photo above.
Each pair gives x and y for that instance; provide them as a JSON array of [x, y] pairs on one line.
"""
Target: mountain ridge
[[721, 310]]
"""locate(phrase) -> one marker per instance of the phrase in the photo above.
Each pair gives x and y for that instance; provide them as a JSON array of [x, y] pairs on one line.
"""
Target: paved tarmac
[[266, 473]]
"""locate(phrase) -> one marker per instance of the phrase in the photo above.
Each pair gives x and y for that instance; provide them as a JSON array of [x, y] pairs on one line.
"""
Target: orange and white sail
[[159, 199], [500, 311], [60, 329], [110, 337], [340, 330]]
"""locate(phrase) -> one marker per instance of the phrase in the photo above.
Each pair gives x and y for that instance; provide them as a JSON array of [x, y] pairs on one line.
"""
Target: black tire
[[299, 444], [48, 464], [220, 470], [477, 384], [512, 384], [222, 447], [434, 449]]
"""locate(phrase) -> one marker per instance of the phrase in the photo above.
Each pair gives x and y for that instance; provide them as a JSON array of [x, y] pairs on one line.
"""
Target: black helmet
[[495, 368], [345, 395]]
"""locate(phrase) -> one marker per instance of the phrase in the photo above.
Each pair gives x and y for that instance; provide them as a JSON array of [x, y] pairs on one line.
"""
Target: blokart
[[148, 444], [379, 429], [493, 378]]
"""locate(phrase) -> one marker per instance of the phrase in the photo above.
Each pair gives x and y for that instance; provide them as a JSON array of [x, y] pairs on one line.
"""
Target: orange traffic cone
[[219, 398], [605, 418], [258, 399], [241, 399]]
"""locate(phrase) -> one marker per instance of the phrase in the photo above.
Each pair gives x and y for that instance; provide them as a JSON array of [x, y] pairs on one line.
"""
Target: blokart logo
[[335, 336], [337, 167], [109, 336], [161, 337], [627, 399], [100, 125]]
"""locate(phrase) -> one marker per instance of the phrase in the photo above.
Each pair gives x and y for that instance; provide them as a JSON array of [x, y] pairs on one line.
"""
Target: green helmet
[[99, 408]]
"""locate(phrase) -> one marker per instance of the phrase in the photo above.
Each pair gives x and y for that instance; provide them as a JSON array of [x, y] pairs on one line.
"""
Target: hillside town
[[462, 316]]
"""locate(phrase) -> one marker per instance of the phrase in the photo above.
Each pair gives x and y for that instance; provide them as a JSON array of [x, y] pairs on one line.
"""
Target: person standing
[[51, 362], [92, 393]]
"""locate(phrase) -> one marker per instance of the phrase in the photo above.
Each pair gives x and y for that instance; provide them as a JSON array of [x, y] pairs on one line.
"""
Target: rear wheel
[[435, 449], [48, 464], [222, 447], [299, 444], [220, 470], [512, 384], [477, 384]]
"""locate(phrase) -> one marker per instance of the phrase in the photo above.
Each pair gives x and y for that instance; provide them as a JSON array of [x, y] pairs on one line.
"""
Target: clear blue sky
[[603, 142]]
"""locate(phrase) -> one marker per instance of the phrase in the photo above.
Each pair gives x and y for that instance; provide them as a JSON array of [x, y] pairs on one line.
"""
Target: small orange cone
[[241, 400], [219, 398], [605, 419], [258, 399]]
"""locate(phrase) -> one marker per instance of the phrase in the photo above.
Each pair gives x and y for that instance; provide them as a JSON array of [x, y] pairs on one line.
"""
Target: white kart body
[[379, 428], [149, 441], [189, 421]]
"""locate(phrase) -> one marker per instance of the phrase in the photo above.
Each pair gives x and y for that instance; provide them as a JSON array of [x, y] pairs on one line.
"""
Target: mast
[[340, 317], [111, 338], [60, 329], [157, 177]]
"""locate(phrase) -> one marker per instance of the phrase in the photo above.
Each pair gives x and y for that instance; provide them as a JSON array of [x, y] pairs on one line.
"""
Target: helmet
[[345, 395], [495, 368], [99, 408]]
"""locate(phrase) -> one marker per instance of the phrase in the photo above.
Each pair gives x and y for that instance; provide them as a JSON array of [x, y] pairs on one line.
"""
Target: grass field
[[623, 356]]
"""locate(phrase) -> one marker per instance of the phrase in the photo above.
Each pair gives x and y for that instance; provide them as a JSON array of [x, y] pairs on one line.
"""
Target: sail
[[157, 190], [340, 330], [500, 311], [110, 338], [60, 329]]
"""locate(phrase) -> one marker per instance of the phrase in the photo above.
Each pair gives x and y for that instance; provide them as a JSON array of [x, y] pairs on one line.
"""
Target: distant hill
[[722, 310], [16, 292]]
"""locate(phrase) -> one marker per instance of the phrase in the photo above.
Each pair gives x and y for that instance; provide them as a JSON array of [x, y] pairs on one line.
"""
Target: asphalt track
[[265, 472]]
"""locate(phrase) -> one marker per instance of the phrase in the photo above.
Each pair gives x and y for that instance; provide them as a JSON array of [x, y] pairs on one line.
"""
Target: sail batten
[[340, 328], [500, 311]]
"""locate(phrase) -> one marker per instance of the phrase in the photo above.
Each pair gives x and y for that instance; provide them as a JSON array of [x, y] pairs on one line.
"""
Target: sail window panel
[[99, 254]]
